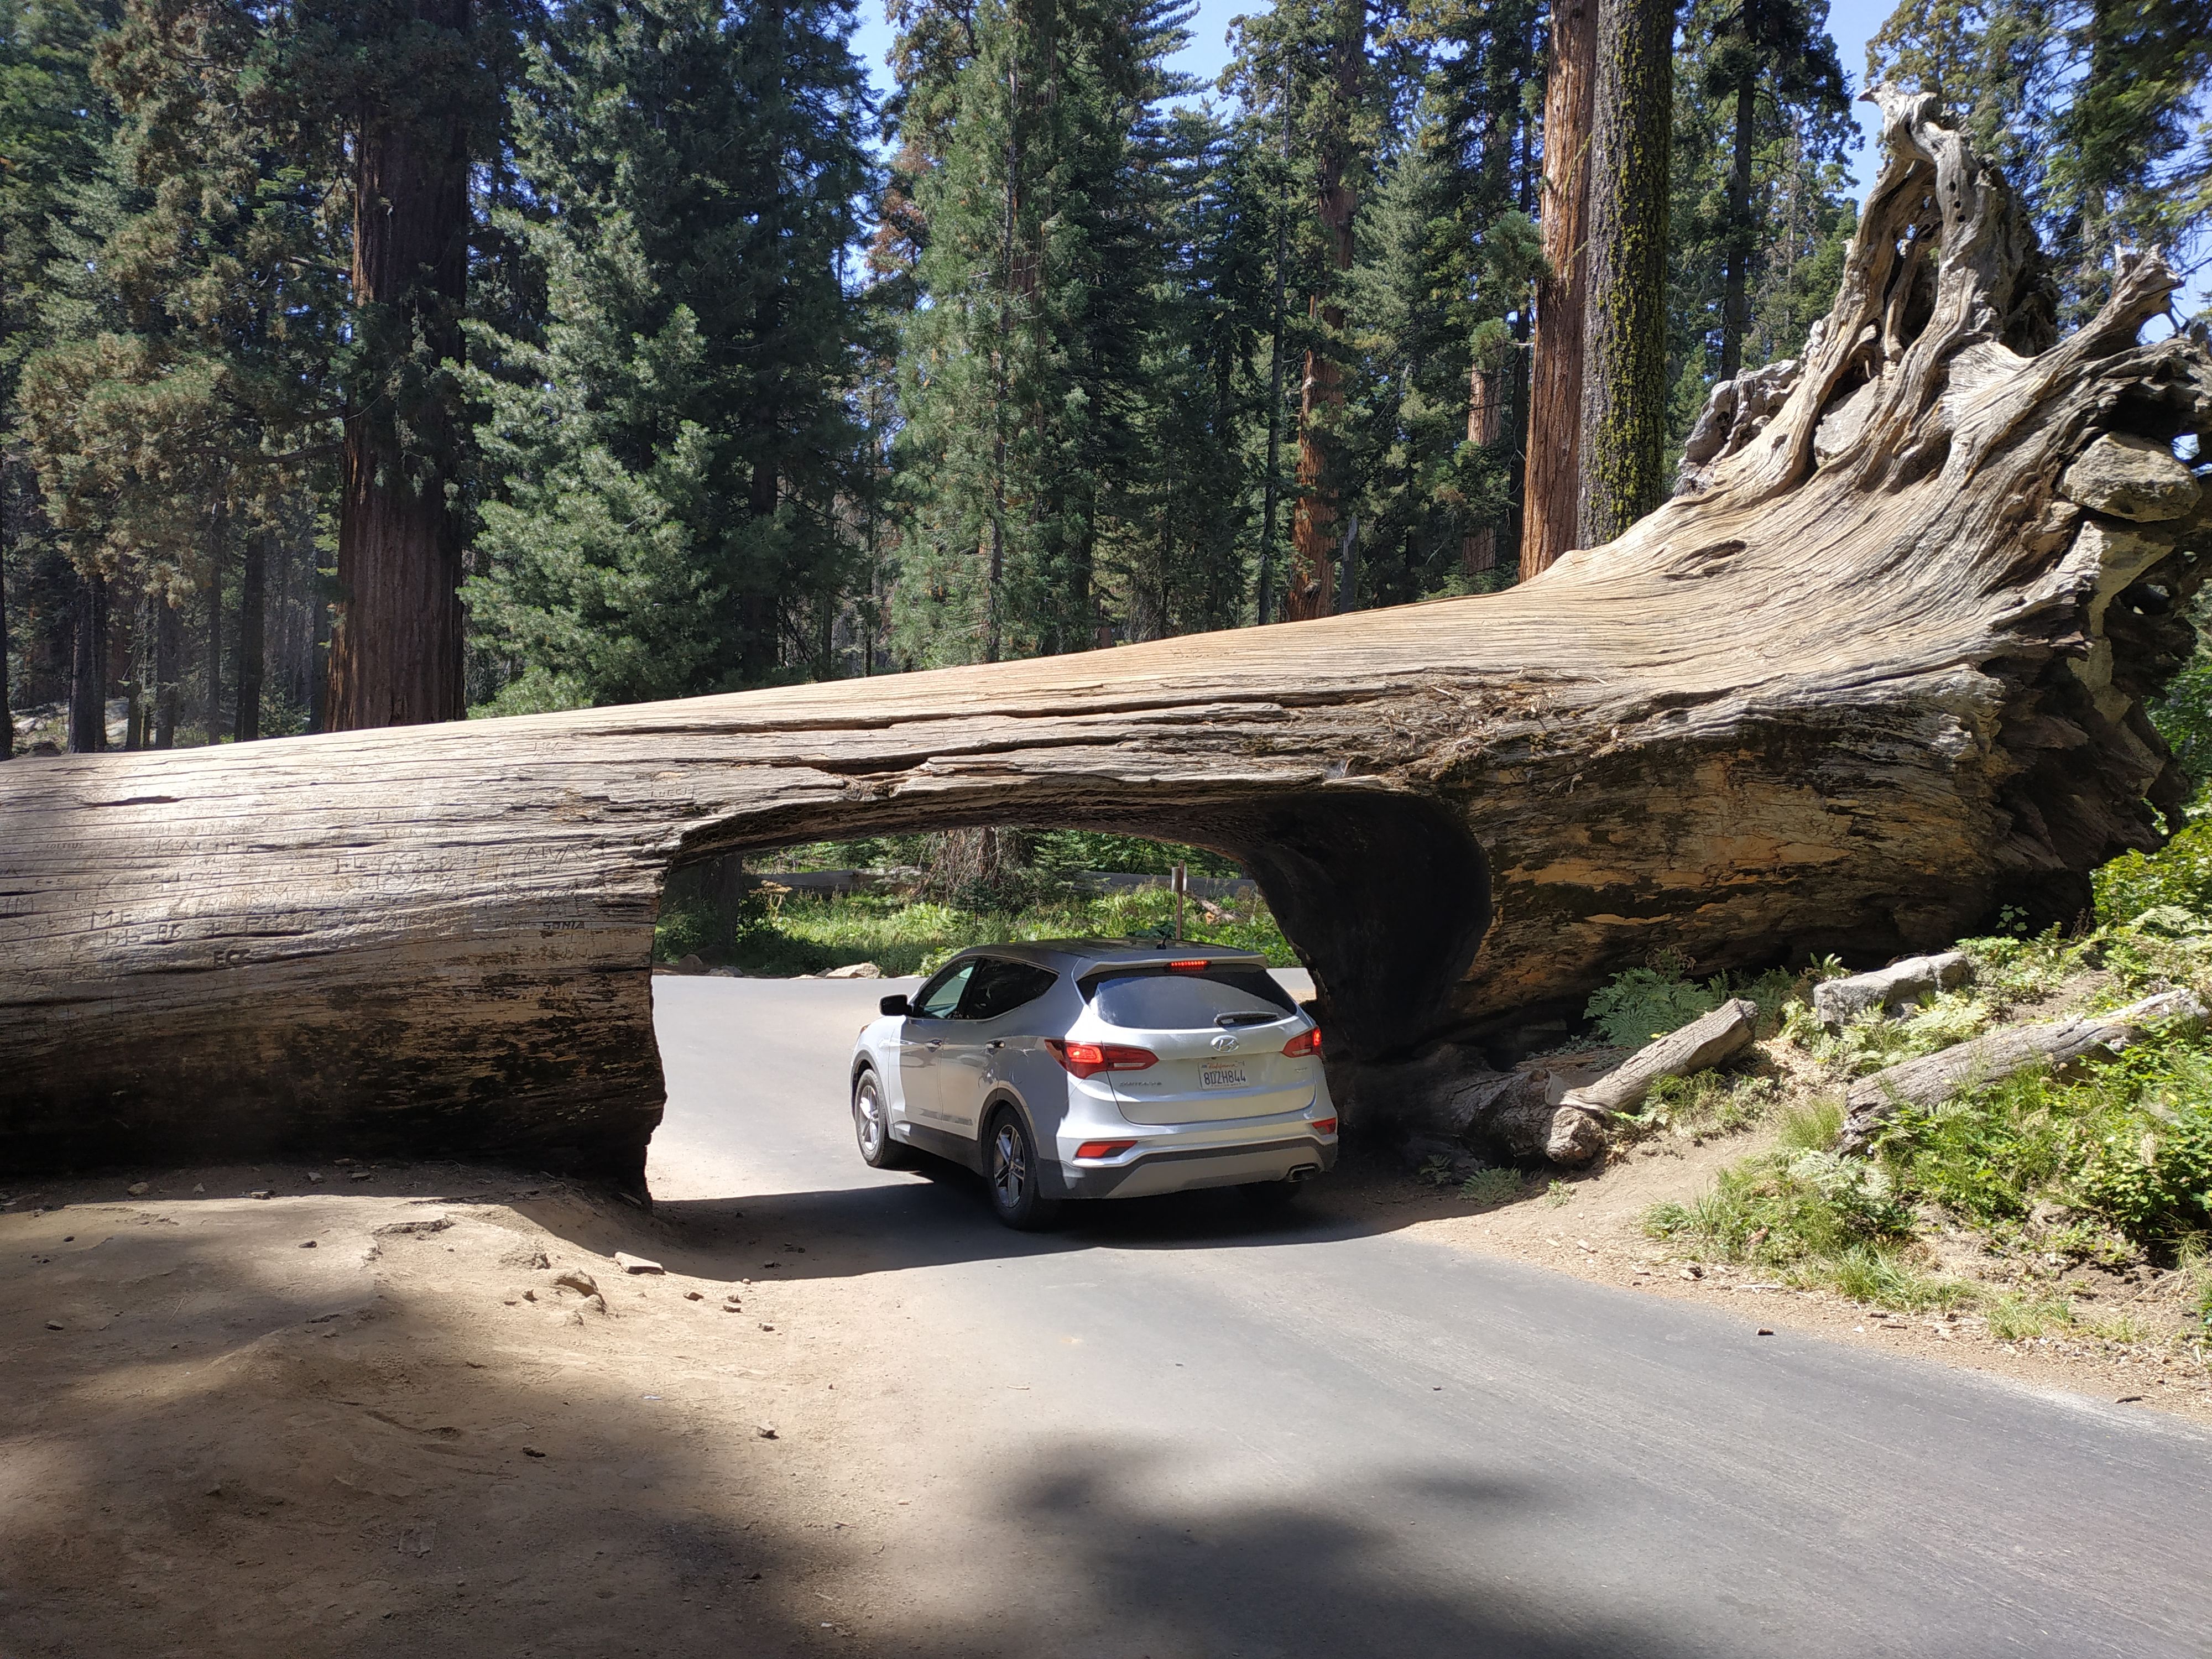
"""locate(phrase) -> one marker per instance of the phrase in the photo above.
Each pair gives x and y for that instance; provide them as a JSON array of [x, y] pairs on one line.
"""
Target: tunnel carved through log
[[1869, 675]]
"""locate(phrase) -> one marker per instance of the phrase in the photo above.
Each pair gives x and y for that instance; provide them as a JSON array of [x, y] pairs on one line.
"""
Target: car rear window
[[1149, 1000]]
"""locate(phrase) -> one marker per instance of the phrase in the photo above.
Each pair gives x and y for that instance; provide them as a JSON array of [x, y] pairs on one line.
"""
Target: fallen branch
[[1704, 1041], [2061, 1043], [1839, 1001]]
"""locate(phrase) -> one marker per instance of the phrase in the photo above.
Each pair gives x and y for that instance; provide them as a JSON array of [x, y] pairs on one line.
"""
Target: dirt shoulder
[[380, 1416], [1591, 1225]]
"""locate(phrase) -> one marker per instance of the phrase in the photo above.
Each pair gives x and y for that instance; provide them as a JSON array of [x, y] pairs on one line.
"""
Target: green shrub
[[2178, 875], [1644, 1003], [1787, 1207], [1701, 1104]]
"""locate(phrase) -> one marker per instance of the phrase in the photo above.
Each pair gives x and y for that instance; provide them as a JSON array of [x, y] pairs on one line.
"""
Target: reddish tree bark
[[1309, 585], [1553, 490], [396, 644], [1479, 550]]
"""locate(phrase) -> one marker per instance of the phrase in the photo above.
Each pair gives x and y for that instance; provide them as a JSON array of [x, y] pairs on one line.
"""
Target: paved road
[[1172, 1428]]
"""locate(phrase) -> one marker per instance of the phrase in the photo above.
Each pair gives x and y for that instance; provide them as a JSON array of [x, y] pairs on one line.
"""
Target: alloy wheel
[[1010, 1170]]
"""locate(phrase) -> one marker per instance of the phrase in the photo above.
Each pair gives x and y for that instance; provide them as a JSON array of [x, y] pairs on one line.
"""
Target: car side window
[[1000, 987], [941, 996]]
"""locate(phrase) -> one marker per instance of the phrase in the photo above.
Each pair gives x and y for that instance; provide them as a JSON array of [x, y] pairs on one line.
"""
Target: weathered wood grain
[[1845, 702], [2059, 1043]]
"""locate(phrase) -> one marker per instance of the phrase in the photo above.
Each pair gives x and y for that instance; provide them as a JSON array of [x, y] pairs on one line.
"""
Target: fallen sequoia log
[[1870, 674], [2060, 1044]]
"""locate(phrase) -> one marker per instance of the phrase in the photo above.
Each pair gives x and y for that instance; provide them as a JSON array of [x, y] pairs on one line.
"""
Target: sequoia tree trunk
[[1876, 670], [1623, 457], [396, 646], [1552, 492], [252, 592], [88, 710], [1309, 584]]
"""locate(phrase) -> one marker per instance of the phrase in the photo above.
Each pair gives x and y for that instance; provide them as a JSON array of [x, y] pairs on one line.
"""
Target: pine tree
[[1760, 213], [1020, 374], [55, 129], [673, 448], [186, 397]]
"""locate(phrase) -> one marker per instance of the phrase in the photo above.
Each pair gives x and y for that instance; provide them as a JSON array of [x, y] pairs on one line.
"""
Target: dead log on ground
[[1934, 1079], [1703, 1043], [1869, 676], [1837, 1002]]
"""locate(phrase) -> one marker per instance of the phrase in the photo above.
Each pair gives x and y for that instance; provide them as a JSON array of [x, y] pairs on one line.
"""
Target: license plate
[[1221, 1077]]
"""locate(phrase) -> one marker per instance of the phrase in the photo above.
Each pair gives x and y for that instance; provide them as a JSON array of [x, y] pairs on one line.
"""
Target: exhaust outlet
[[1304, 1172]]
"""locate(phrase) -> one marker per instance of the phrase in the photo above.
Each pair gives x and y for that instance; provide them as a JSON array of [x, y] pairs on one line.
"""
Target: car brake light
[[1304, 1043], [1088, 1059], [1197, 965], [1104, 1148], [1324, 1126]]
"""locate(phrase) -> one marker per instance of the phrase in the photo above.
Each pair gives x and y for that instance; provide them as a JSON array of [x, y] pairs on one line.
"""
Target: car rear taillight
[[1088, 1059], [1304, 1043], [1324, 1126], [1104, 1148]]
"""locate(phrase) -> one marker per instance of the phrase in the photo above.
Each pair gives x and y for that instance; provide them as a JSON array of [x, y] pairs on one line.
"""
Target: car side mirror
[[896, 1005]]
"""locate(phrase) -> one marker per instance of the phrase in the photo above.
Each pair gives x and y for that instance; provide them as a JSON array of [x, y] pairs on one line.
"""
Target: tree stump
[[1869, 675]]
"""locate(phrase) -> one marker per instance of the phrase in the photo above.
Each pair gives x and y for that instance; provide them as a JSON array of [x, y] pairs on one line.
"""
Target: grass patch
[[1699, 1107], [2015, 1316], [1883, 1279], [1488, 1187]]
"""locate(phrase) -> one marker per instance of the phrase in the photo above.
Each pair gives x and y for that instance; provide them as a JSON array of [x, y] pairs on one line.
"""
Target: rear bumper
[[1181, 1169]]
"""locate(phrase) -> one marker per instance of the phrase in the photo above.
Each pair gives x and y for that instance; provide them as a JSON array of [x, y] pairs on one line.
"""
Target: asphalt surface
[[1174, 1428]]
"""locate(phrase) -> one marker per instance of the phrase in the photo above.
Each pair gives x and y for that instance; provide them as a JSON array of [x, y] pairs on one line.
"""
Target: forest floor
[[228, 1415]]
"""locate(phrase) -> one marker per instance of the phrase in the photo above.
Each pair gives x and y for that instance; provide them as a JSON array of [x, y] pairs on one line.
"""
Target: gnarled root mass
[[1878, 668]]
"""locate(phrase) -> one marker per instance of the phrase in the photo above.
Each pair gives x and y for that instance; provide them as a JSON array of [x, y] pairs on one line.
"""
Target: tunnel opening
[[1383, 897]]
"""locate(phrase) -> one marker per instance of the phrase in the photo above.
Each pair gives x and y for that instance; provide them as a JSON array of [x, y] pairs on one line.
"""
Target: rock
[[434, 1223], [137, 1189], [691, 965], [54, 1324], [765, 1432], [694, 1296], [1839, 1001], [531, 1451], [856, 970], [263, 1192], [2130, 477], [527, 1258], [636, 1264], [586, 1286], [362, 1175], [197, 1187], [306, 1244], [315, 1178], [530, 1295]]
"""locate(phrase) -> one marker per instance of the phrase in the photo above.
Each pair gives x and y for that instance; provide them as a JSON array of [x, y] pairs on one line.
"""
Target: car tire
[[1272, 1197], [1009, 1174], [871, 1125]]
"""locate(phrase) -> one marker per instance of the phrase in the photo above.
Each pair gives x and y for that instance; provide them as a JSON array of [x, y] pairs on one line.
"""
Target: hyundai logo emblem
[[1224, 1043]]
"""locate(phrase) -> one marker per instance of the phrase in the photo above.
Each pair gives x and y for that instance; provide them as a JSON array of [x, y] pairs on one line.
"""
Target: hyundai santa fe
[[1080, 1068]]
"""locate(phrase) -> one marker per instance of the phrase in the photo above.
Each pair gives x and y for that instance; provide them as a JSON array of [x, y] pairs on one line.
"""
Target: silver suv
[[1086, 1068]]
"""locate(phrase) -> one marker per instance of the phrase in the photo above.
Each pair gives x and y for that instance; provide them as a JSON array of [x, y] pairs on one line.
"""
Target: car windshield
[[1149, 1000]]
